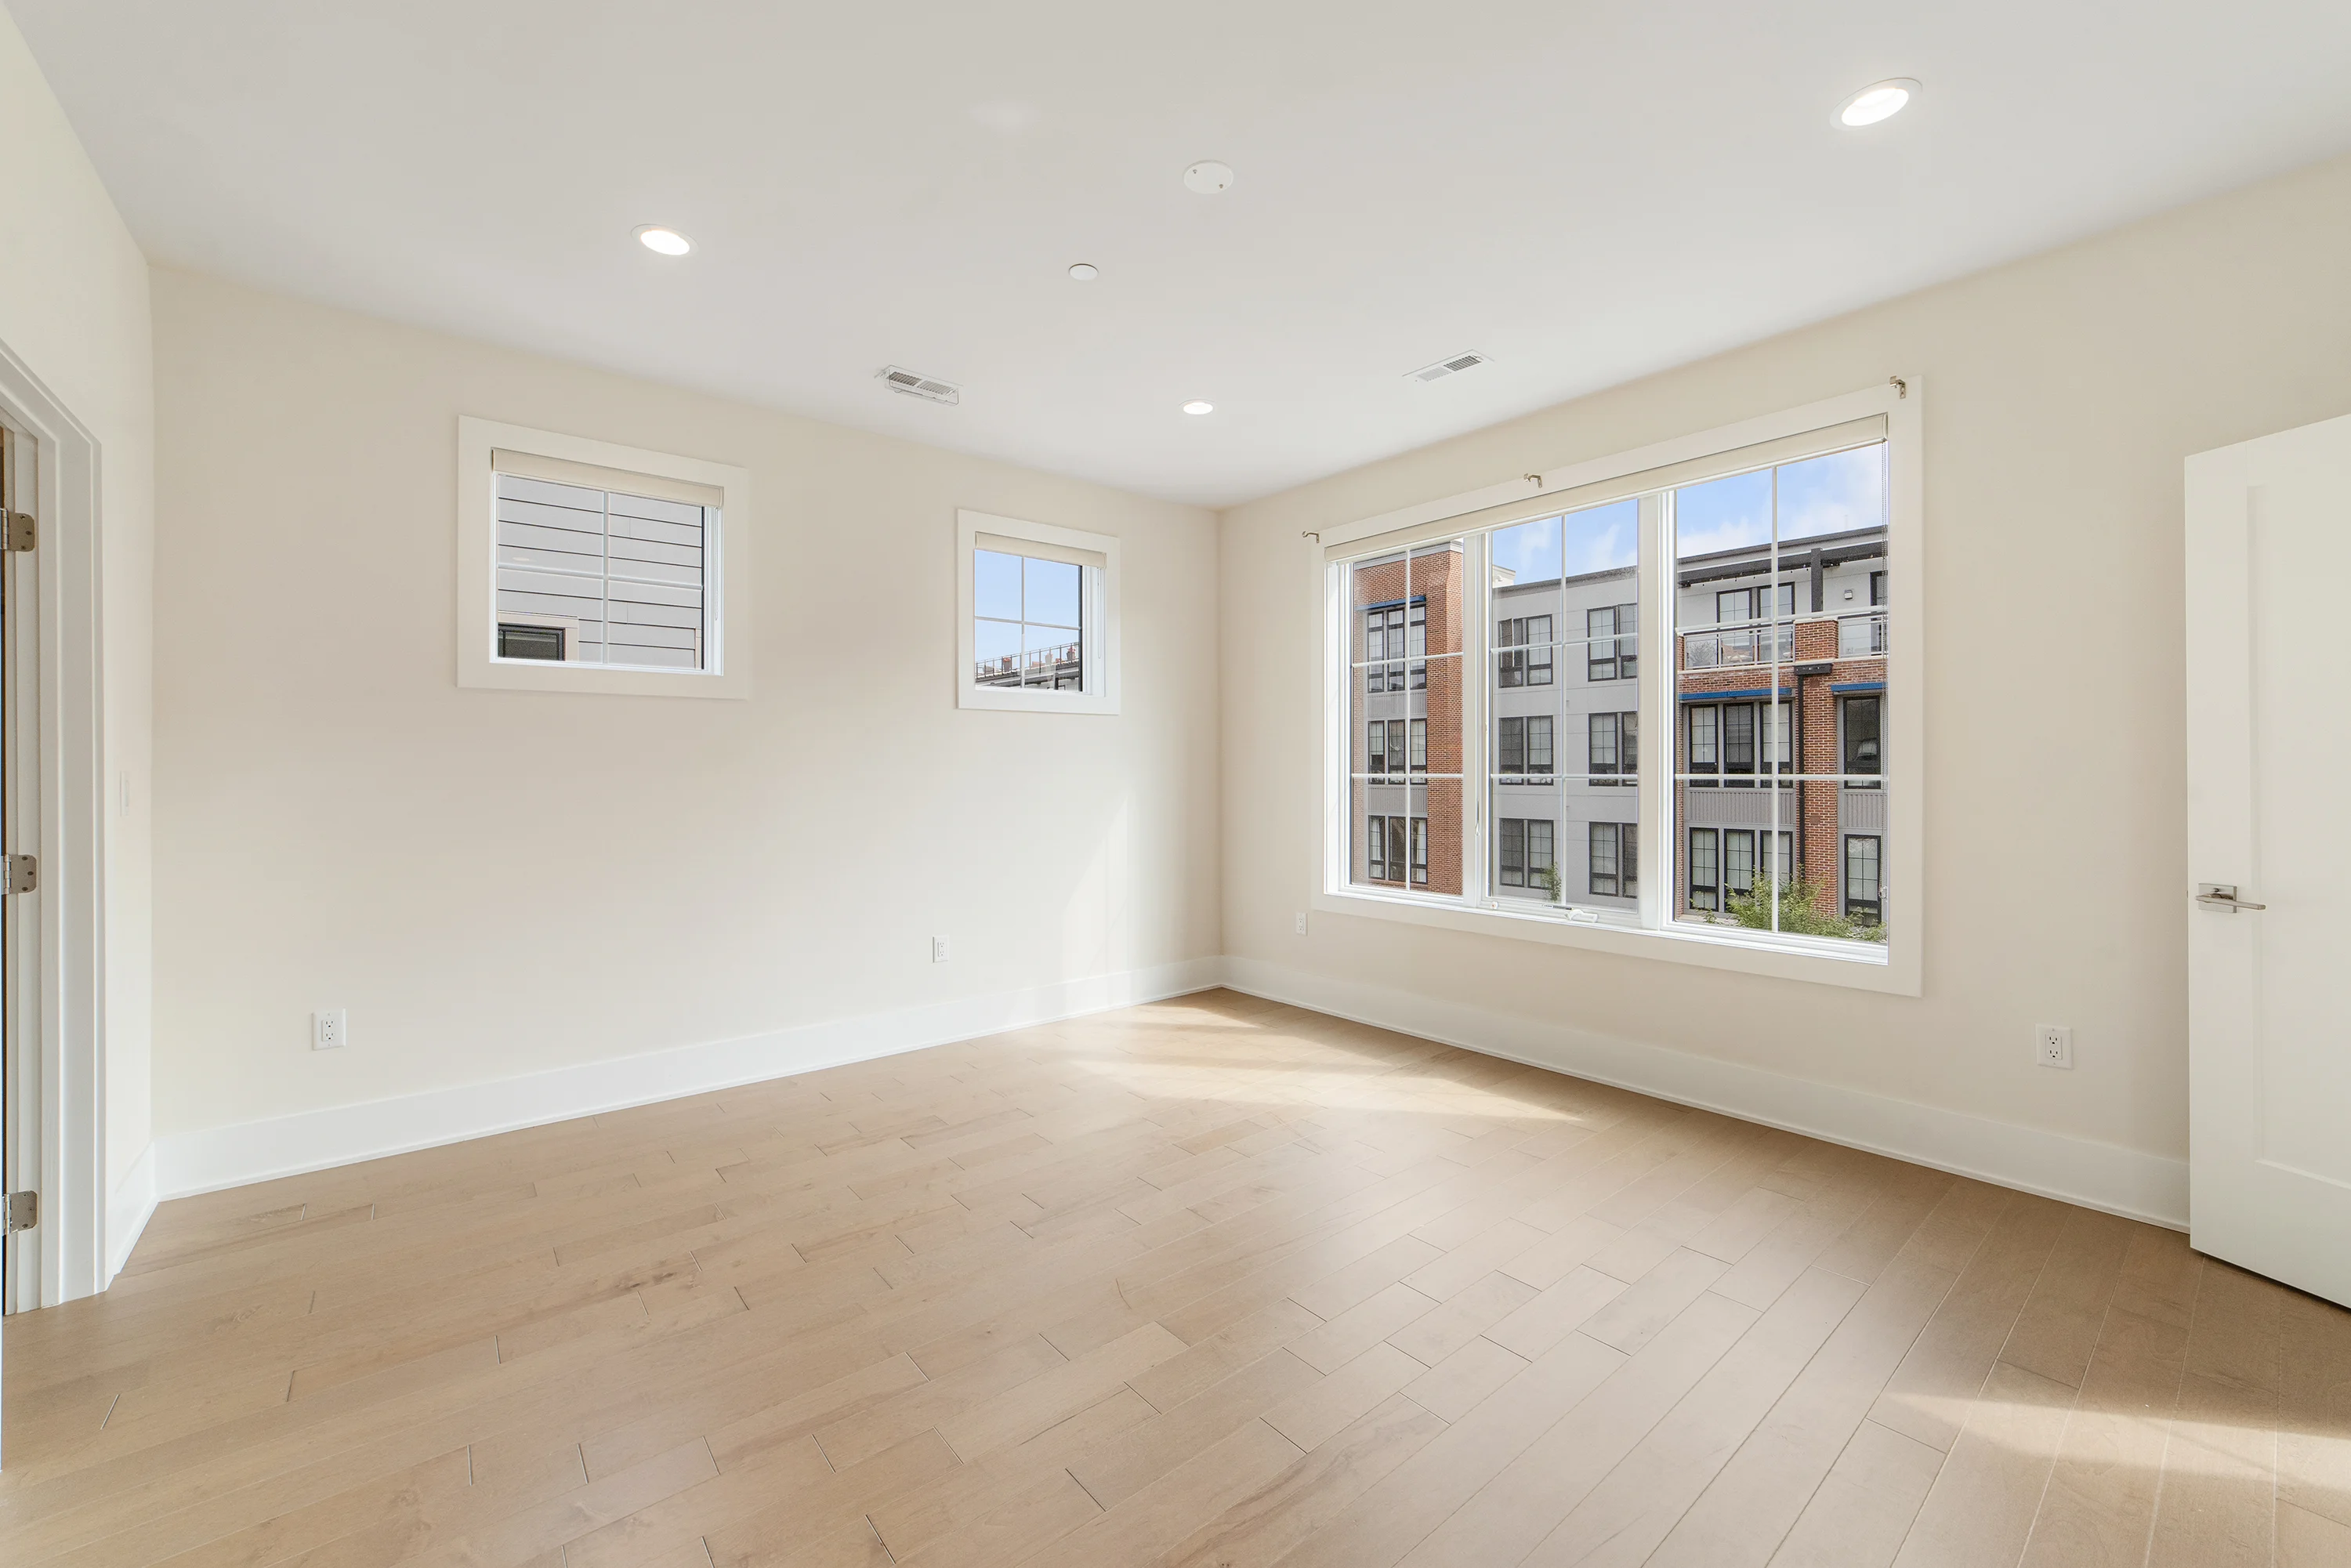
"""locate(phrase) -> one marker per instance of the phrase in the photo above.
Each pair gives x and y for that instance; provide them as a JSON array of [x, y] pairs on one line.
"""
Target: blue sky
[[1818, 495], [1598, 539]]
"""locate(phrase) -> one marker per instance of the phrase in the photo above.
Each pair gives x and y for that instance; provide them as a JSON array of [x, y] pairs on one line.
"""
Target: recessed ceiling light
[[1200, 405], [1208, 177], [1879, 100], [667, 242], [1085, 272]]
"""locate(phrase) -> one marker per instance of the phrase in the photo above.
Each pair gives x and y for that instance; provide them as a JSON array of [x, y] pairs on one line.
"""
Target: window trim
[[1894, 967], [727, 635], [1098, 615]]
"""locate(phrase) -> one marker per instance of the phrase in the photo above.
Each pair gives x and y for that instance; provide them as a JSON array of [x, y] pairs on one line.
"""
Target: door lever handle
[[2223, 896]]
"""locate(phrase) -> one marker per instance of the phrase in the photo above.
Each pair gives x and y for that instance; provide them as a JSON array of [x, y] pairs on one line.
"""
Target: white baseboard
[[214, 1157], [2129, 1182], [129, 1207]]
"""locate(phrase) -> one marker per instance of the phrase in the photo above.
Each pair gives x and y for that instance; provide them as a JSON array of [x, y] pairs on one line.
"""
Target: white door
[[2269, 780]]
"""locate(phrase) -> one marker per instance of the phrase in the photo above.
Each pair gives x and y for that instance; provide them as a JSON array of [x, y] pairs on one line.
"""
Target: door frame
[[58, 807]]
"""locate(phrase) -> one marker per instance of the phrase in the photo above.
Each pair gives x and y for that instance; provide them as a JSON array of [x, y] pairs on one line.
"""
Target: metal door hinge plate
[[22, 532], [23, 1211], [19, 873]]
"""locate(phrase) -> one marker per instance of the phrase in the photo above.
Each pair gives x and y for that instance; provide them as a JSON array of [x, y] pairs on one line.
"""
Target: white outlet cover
[[939, 949], [330, 1029], [2053, 1045]]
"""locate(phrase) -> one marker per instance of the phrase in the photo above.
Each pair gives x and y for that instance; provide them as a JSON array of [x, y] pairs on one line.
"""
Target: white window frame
[[1894, 967], [726, 570], [1098, 613]]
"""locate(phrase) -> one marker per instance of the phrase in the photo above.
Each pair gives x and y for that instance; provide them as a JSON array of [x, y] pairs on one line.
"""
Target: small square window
[[1039, 618]]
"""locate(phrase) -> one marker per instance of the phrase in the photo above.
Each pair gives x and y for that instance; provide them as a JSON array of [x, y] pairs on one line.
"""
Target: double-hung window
[[1612, 646], [1721, 605], [1614, 743], [1526, 648]]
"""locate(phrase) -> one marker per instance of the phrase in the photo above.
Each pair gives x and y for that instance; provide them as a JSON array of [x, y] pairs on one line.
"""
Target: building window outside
[[1613, 742], [520, 641], [1526, 853], [1858, 717], [1395, 845], [1704, 868], [1526, 658], [1613, 848], [1524, 750], [1864, 890], [1613, 653]]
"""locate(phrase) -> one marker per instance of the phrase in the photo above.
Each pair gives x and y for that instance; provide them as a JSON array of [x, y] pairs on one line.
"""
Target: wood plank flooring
[[1210, 1282]]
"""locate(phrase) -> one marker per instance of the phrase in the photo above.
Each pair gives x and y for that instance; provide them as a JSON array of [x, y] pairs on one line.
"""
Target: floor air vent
[[1444, 368], [900, 380]]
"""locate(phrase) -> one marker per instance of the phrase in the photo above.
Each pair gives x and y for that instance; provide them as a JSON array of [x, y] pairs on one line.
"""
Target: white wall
[[502, 884], [2063, 392], [74, 309]]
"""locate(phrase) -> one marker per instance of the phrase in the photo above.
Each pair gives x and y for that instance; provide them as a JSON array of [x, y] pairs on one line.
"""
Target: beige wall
[[74, 309], [2063, 392], [495, 883]]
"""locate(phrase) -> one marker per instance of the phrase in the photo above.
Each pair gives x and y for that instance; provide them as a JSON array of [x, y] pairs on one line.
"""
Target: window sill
[[494, 673], [1023, 699], [1857, 967]]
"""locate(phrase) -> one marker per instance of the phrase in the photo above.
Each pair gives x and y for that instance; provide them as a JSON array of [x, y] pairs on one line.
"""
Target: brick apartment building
[[1566, 714], [1405, 784], [1733, 741]]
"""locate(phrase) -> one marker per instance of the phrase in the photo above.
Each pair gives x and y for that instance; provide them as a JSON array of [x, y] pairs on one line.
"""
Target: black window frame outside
[[562, 642], [1856, 777], [1711, 889], [1870, 910]]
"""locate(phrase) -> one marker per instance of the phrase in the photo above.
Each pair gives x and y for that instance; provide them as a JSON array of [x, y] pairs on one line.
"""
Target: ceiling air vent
[[900, 380], [1444, 368]]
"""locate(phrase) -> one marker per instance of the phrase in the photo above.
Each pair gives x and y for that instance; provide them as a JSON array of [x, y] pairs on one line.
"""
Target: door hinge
[[19, 873], [23, 533], [24, 1212]]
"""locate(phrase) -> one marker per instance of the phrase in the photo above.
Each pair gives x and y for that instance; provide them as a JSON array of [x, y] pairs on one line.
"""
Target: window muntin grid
[[1775, 737]]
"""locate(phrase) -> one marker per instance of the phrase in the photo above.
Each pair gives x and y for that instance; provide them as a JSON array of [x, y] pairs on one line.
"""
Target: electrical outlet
[[1302, 922], [939, 949], [330, 1031], [2053, 1045]]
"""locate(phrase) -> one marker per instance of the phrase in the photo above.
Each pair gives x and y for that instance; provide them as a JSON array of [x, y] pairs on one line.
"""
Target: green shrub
[[1803, 910]]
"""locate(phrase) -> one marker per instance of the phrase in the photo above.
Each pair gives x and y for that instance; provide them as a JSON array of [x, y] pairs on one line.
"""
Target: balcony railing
[[1747, 645], [1061, 667], [1859, 636]]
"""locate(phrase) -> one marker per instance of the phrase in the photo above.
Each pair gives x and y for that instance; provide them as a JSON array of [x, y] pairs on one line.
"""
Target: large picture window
[[1733, 616]]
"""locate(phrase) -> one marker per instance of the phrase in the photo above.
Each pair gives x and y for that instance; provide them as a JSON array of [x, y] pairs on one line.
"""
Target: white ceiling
[[1585, 191]]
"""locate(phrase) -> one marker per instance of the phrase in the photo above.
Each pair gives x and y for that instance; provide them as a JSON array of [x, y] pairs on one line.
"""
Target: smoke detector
[[898, 379], [1444, 368]]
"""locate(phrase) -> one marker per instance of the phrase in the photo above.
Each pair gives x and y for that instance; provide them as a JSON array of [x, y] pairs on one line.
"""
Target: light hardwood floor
[[1211, 1283]]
